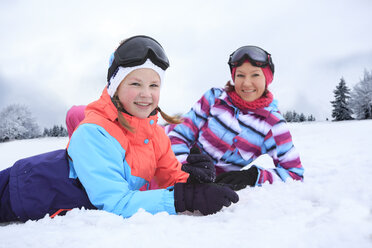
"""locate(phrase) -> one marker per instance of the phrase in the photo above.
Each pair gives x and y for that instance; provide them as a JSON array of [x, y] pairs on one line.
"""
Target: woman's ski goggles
[[255, 55], [135, 51]]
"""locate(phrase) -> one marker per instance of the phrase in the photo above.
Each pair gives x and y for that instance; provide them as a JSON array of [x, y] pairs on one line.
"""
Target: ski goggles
[[255, 55], [135, 51]]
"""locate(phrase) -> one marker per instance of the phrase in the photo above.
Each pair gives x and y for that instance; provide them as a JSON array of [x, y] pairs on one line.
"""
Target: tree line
[[293, 116]]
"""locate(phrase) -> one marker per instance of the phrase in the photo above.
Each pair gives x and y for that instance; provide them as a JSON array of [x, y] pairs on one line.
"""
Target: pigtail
[[170, 119], [123, 122]]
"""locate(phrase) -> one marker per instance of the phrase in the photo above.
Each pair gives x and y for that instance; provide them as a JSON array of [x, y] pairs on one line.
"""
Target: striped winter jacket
[[235, 138], [113, 164]]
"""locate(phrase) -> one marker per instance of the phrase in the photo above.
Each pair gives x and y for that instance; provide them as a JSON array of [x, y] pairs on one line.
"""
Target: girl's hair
[[229, 87], [124, 122], [170, 119]]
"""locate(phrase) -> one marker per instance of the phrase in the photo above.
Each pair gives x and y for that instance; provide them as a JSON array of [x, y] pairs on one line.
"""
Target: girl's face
[[250, 82], [139, 92]]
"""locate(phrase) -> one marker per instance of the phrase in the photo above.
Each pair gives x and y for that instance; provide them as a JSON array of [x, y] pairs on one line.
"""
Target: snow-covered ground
[[331, 208]]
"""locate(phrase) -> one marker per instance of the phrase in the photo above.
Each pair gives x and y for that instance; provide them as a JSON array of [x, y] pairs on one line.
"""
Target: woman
[[239, 123]]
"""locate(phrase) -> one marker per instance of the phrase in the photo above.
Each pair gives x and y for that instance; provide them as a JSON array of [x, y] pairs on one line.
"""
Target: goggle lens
[[138, 49], [257, 56], [135, 51]]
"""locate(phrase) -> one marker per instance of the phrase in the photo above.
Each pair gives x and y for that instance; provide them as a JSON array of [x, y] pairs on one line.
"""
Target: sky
[[332, 207], [54, 54]]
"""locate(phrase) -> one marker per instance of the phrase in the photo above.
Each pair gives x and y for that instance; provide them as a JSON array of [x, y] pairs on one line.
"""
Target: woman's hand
[[238, 180]]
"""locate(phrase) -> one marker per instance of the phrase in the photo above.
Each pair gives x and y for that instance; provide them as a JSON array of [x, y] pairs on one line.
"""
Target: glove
[[238, 180], [200, 167], [207, 198]]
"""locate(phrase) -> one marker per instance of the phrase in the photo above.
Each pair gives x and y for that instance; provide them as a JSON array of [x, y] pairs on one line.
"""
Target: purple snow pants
[[6, 213]]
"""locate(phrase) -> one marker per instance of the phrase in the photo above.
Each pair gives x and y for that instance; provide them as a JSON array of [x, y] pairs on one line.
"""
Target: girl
[[237, 124], [115, 150]]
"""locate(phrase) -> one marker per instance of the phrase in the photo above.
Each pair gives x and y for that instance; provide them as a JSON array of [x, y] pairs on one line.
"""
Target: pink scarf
[[263, 101]]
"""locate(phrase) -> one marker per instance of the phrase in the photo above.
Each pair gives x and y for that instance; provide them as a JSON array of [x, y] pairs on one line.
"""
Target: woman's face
[[250, 82], [139, 92]]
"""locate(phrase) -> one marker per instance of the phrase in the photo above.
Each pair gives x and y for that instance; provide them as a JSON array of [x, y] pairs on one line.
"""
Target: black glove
[[238, 180], [207, 198], [200, 167]]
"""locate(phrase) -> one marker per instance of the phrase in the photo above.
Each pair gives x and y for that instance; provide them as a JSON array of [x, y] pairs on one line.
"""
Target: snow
[[331, 208]]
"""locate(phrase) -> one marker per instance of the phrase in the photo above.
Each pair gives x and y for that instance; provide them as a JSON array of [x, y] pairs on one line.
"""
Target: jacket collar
[[264, 112]]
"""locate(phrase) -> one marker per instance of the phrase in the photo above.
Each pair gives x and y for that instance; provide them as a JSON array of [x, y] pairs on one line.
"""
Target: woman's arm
[[183, 136], [279, 145]]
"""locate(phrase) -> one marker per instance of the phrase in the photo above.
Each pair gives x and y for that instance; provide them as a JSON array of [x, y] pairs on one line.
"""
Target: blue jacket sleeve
[[98, 160]]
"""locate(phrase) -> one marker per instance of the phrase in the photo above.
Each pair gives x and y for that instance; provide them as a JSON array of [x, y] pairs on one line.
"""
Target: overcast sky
[[54, 54]]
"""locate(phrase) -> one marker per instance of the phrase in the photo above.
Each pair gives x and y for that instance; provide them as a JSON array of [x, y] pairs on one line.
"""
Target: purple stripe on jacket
[[215, 141], [246, 146], [283, 138]]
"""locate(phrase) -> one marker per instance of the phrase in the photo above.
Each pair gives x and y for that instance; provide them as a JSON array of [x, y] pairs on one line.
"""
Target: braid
[[170, 119], [115, 100]]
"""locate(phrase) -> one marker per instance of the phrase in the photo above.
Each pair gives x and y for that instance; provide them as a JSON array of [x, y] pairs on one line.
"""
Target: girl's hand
[[208, 198], [200, 167]]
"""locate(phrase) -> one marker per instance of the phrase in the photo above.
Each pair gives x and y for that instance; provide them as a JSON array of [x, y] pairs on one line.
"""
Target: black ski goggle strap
[[256, 55], [135, 51]]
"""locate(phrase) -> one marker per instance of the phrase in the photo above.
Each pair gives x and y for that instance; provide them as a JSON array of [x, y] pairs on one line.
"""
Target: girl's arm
[[98, 160]]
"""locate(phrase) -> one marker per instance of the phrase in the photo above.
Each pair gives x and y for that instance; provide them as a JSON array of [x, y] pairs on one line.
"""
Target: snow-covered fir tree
[[302, 117], [293, 116], [361, 97], [55, 131], [341, 110], [16, 122], [310, 118], [288, 116]]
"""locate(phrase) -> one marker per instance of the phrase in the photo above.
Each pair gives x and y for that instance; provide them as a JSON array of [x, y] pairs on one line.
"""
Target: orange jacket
[[112, 162]]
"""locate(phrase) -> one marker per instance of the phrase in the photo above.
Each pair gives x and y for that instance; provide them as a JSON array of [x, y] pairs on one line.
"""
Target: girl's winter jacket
[[113, 163], [234, 138]]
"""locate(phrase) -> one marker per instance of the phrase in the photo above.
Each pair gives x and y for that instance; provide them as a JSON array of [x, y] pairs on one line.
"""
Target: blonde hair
[[124, 123]]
